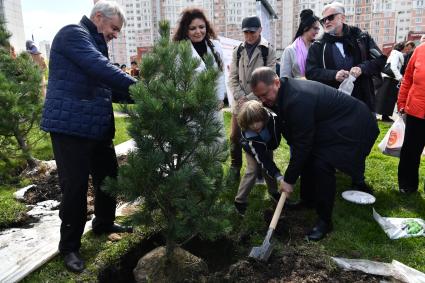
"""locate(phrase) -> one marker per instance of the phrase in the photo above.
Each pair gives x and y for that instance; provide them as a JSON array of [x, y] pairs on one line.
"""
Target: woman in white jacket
[[194, 26], [386, 96], [292, 63]]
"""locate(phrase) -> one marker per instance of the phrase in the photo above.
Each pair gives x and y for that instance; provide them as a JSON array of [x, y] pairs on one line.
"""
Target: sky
[[44, 18]]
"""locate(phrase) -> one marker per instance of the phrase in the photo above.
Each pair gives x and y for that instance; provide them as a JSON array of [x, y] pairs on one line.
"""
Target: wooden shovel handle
[[278, 210]]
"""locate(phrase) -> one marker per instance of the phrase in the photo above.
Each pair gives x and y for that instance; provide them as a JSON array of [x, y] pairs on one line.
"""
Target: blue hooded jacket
[[83, 83]]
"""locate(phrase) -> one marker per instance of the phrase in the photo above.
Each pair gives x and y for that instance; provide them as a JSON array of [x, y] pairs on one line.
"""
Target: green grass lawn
[[355, 235], [10, 209]]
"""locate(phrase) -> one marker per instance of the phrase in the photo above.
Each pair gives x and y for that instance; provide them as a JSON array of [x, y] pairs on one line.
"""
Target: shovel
[[264, 251]]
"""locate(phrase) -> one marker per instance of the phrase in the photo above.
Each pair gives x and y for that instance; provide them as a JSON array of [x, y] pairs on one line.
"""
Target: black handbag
[[387, 70]]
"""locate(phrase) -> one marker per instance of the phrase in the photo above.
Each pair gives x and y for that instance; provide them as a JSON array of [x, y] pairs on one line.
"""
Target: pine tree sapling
[[177, 166], [20, 102]]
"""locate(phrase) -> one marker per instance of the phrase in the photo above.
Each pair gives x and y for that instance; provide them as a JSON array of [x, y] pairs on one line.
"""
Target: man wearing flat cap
[[253, 53]]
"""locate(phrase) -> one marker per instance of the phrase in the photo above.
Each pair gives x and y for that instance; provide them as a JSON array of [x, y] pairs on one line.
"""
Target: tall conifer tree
[[20, 101], [177, 166]]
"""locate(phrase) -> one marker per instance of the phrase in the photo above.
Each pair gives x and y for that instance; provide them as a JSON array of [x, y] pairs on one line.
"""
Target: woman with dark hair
[[386, 96], [195, 27], [292, 63]]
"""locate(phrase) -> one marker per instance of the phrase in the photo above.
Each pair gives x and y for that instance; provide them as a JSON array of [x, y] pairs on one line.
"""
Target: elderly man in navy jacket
[[79, 117], [326, 130]]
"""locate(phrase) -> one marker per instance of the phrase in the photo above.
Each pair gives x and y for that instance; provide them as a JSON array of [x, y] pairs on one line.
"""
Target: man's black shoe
[[241, 207], [73, 262], [407, 191], [319, 231], [114, 228], [363, 188], [297, 205]]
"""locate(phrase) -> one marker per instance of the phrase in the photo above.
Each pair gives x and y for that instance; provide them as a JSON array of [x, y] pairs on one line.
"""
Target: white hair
[[337, 6], [422, 38], [108, 9]]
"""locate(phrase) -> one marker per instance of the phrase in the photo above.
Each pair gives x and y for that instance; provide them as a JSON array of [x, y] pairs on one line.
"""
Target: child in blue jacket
[[260, 136]]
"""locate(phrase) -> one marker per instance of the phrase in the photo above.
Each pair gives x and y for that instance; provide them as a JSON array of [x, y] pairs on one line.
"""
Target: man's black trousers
[[318, 187], [76, 159]]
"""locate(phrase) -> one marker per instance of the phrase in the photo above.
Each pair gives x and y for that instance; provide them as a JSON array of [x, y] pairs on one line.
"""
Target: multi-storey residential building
[[11, 13], [45, 48], [388, 21], [143, 16]]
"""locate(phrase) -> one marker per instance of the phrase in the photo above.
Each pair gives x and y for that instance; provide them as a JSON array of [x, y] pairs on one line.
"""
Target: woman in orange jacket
[[411, 101]]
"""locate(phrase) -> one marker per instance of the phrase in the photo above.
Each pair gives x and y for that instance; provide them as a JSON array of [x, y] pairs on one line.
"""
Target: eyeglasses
[[328, 18]]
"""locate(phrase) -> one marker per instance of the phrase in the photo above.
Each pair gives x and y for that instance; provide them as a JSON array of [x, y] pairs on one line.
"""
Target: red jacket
[[411, 97]]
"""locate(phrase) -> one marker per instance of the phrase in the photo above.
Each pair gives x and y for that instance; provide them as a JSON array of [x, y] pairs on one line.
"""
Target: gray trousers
[[248, 180]]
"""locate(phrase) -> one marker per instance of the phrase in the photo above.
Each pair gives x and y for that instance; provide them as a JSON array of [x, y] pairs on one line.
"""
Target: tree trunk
[[23, 145]]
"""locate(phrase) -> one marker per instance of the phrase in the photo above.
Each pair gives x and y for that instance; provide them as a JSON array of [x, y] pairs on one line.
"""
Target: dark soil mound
[[303, 263], [46, 187], [297, 262]]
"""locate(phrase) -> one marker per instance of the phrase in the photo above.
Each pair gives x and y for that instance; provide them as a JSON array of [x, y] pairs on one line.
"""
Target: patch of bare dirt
[[300, 263], [46, 187]]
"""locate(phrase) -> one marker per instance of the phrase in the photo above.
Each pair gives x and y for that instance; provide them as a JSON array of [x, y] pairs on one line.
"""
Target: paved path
[[23, 250]]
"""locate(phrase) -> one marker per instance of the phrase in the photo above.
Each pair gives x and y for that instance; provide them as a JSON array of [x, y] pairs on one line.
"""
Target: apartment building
[[388, 21], [11, 13], [45, 48], [143, 16]]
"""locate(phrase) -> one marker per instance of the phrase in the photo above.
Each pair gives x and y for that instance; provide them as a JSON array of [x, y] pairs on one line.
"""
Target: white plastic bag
[[397, 228], [347, 85], [393, 140]]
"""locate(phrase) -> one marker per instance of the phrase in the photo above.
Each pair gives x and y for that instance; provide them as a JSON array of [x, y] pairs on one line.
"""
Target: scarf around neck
[[346, 39], [301, 52]]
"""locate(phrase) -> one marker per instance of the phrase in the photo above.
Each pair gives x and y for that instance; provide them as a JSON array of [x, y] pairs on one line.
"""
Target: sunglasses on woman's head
[[328, 18]]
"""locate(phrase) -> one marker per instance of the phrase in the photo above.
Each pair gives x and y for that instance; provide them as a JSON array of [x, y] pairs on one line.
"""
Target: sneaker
[[260, 181], [241, 207]]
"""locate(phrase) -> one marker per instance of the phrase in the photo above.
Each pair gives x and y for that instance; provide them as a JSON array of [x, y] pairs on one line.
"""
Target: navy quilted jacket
[[82, 84]]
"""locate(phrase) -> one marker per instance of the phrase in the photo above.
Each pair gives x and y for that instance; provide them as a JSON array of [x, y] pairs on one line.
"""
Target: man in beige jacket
[[253, 53]]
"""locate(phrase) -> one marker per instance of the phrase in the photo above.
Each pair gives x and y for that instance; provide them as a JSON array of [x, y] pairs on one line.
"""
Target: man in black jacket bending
[[326, 130], [344, 50]]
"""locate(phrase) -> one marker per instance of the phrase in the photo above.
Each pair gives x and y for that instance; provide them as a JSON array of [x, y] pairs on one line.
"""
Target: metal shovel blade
[[264, 251]]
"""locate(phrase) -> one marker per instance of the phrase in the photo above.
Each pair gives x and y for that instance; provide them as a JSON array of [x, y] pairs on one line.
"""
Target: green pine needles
[[20, 102], [177, 167]]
